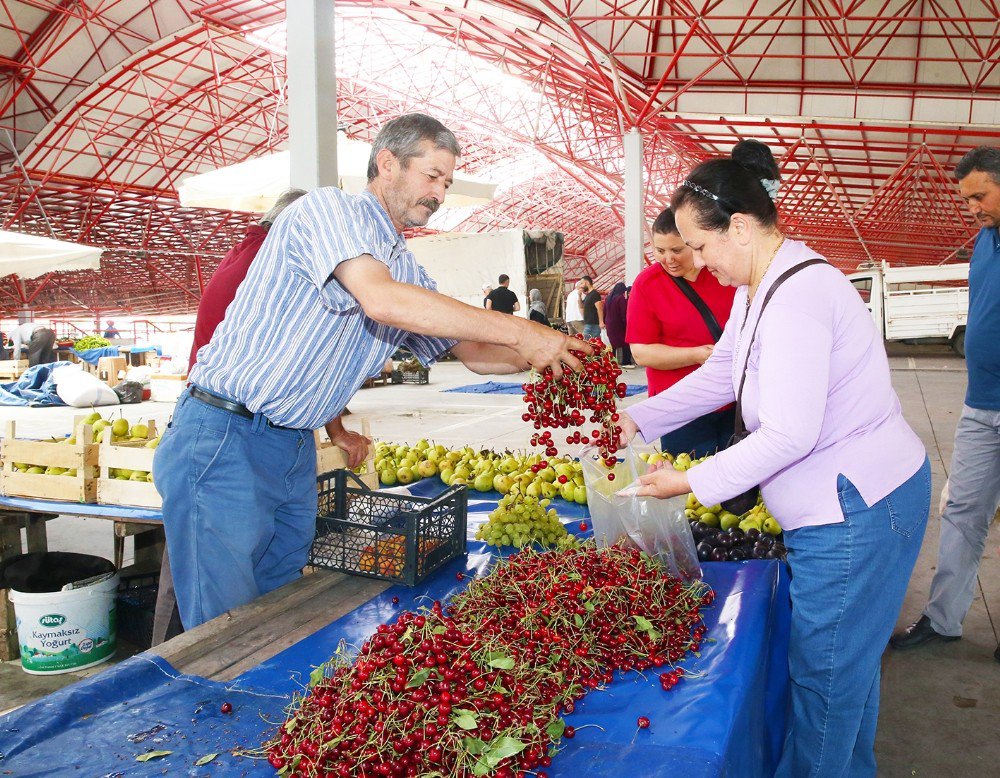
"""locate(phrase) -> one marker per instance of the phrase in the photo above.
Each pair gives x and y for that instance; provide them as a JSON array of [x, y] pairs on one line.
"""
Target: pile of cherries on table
[[734, 545]]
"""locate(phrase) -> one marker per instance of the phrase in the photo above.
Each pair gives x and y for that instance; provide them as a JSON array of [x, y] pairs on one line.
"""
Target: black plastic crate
[[135, 603], [394, 537]]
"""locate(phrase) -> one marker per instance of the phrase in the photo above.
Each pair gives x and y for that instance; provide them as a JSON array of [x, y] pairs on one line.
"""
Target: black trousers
[[41, 349]]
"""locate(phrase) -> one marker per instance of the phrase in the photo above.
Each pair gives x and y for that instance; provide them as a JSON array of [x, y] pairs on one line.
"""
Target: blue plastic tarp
[[81, 508], [502, 387], [91, 355], [35, 387], [726, 717]]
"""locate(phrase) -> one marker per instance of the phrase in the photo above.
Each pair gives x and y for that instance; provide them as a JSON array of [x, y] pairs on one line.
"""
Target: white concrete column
[[635, 227], [312, 93]]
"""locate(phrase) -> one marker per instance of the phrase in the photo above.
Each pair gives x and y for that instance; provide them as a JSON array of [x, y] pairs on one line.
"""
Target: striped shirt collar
[[382, 219]]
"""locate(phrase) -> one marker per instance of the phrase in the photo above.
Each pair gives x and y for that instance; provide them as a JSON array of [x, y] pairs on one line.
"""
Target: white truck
[[917, 303]]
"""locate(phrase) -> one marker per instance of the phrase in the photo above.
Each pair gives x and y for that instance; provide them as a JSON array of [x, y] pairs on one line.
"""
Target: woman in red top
[[670, 336]]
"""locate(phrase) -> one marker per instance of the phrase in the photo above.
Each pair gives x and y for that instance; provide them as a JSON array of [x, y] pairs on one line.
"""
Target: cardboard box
[[108, 367]]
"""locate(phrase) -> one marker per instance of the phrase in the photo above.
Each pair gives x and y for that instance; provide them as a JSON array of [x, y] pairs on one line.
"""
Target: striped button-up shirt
[[328, 346]]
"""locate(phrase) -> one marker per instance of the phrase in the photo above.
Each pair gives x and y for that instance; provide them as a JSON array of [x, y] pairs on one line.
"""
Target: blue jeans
[[239, 506], [702, 436], [591, 331], [848, 582]]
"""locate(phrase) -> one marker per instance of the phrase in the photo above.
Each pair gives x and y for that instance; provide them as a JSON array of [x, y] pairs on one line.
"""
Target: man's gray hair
[[985, 159], [403, 136], [285, 199]]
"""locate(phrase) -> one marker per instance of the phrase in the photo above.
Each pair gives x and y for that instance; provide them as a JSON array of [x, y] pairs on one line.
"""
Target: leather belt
[[220, 402]]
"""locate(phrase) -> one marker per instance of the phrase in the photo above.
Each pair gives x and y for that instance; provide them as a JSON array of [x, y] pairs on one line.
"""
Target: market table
[[726, 718]]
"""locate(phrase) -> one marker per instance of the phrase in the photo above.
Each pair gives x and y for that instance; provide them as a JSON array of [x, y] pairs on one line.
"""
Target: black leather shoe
[[917, 634]]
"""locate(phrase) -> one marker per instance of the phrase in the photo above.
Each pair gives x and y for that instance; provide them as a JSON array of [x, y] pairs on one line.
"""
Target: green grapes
[[520, 520]]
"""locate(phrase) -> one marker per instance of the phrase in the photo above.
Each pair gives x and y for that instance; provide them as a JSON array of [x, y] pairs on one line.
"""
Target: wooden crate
[[130, 455], [82, 455], [11, 369], [329, 457]]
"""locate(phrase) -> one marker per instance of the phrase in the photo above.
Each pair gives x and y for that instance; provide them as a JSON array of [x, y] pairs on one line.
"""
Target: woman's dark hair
[[665, 223], [743, 183], [616, 290]]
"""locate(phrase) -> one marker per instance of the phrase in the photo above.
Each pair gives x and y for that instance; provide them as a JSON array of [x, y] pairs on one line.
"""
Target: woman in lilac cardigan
[[838, 466]]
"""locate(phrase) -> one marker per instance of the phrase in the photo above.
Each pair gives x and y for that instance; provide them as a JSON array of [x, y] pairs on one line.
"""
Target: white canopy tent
[[31, 256], [254, 185]]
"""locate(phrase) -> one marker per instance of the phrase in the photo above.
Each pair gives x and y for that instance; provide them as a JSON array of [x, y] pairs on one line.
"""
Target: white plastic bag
[[658, 527], [82, 390]]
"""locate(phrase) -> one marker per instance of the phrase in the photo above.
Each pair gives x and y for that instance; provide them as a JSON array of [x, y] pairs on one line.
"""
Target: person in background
[[593, 309], [837, 464], [574, 310], [974, 482], [502, 299], [536, 307], [236, 468], [110, 330], [38, 339], [4, 351], [671, 336], [486, 293], [615, 317]]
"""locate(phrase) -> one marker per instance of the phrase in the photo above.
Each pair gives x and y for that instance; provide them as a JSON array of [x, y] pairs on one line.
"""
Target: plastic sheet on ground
[[726, 718], [502, 387], [35, 387]]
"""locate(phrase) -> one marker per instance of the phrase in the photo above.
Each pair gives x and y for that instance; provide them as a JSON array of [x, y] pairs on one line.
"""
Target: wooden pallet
[[127, 455], [81, 455], [329, 457]]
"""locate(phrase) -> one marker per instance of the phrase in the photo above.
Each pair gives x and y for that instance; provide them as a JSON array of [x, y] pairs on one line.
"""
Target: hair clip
[[771, 187], [700, 190]]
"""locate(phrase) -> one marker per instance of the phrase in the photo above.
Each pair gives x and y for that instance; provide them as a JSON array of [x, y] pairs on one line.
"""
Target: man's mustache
[[429, 203]]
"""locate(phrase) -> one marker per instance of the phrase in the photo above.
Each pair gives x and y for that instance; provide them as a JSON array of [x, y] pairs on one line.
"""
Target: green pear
[[138, 475], [35, 470], [120, 427], [92, 418], [55, 470], [139, 431], [99, 425]]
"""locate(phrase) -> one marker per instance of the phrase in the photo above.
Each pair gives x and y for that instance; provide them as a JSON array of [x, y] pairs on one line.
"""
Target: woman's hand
[[629, 428], [664, 482]]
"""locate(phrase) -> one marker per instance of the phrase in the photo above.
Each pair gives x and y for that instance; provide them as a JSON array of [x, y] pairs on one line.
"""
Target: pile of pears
[[484, 470], [758, 517], [120, 431]]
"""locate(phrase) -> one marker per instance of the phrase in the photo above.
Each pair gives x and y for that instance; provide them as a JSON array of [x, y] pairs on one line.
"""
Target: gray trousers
[[973, 496]]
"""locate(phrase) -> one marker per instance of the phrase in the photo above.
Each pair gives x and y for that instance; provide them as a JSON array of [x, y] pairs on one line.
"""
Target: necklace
[[751, 289]]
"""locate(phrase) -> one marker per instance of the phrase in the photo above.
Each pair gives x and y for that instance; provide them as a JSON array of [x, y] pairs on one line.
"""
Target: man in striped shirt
[[237, 465]]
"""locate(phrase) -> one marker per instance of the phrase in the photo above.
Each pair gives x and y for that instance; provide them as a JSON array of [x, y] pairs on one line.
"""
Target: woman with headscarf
[[615, 310], [536, 308]]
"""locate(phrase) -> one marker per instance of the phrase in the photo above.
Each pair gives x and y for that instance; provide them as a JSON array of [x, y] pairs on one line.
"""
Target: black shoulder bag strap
[[740, 426], [706, 313]]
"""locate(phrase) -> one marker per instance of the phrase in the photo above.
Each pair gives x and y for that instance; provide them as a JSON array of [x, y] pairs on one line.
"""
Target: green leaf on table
[[555, 729], [499, 660], [503, 748], [440, 629], [316, 676], [481, 767], [474, 745], [205, 759], [642, 623], [465, 719], [152, 755], [418, 678]]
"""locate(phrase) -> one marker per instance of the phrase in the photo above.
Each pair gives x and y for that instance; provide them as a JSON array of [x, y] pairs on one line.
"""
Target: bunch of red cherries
[[575, 399]]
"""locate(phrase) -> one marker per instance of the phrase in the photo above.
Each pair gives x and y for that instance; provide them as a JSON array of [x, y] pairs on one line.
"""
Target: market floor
[[940, 704]]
